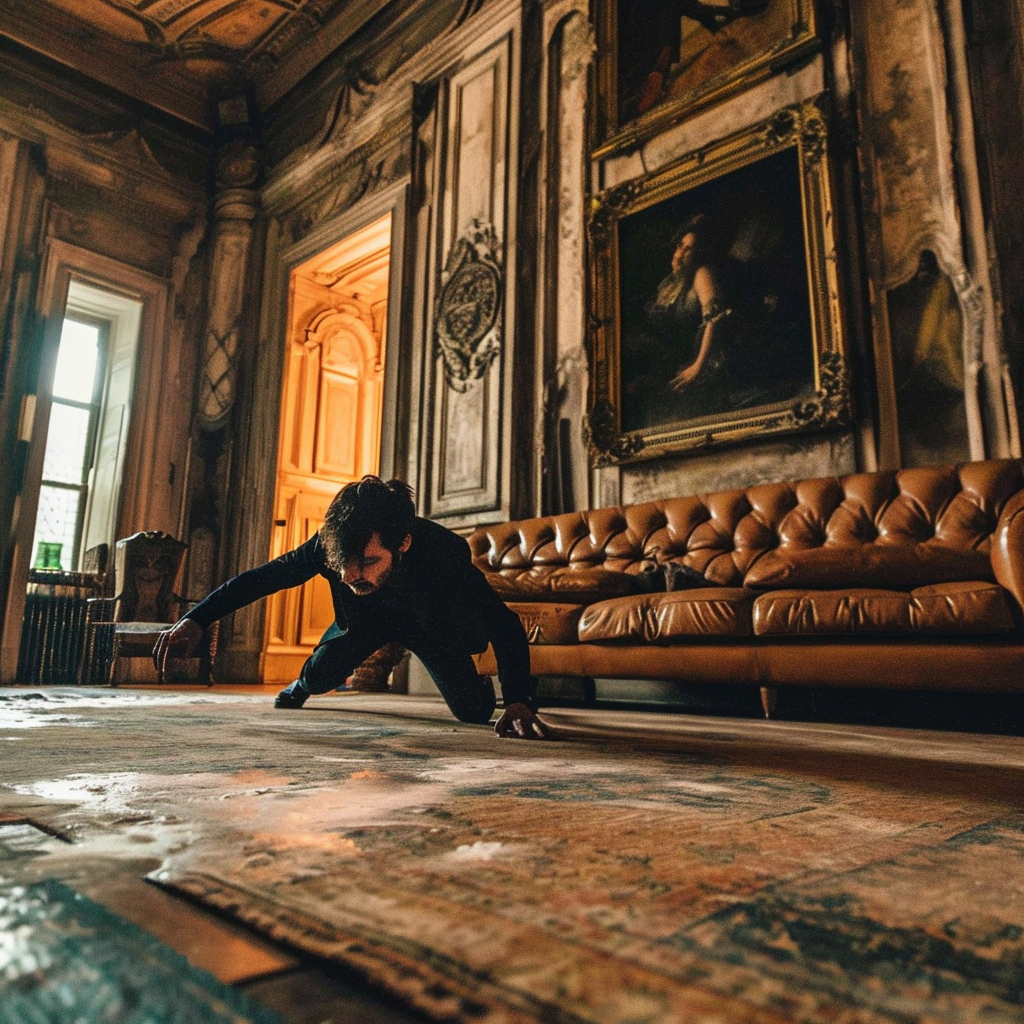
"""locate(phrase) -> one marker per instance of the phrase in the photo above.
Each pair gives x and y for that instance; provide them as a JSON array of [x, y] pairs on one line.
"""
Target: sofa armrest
[[1008, 549]]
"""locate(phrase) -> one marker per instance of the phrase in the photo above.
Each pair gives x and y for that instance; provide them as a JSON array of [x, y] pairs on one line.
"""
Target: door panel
[[337, 450]]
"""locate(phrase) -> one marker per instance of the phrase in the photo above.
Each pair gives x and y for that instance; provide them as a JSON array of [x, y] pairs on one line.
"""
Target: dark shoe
[[291, 697]]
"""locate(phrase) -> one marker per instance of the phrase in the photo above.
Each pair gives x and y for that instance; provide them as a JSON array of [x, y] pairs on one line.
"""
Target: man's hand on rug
[[518, 721], [180, 641]]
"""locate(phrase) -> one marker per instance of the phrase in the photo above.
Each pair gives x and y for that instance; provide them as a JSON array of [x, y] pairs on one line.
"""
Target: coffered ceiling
[[180, 55]]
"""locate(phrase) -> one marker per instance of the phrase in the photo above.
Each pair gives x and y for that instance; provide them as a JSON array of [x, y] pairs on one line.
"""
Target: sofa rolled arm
[[1008, 549]]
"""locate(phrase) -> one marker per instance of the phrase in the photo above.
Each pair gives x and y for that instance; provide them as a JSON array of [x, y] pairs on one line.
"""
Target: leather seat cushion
[[560, 583], [966, 609], [664, 618], [549, 622], [888, 566]]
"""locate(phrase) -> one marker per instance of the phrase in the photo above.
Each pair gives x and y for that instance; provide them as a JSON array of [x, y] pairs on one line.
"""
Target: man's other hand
[[180, 641], [517, 720]]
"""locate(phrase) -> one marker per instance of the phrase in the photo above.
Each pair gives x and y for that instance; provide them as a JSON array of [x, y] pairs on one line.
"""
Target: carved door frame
[[252, 509]]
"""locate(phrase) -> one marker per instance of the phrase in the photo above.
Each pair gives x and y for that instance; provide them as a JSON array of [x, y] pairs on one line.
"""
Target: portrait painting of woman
[[714, 298]]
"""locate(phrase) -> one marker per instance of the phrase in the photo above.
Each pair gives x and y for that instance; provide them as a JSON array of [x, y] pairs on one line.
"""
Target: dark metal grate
[[53, 635]]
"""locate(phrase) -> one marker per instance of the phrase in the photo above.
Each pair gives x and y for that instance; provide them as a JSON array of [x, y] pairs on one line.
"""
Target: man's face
[[369, 574]]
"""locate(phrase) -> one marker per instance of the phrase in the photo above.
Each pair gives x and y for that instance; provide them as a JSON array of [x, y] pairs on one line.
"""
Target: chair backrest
[[146, 569], [94, 563]]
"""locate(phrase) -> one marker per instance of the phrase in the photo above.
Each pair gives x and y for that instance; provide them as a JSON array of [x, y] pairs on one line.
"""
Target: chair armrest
[[100, 610], [1008, 549]]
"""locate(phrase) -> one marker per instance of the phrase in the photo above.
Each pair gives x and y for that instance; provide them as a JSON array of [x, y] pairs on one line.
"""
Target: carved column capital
[[238, 164]]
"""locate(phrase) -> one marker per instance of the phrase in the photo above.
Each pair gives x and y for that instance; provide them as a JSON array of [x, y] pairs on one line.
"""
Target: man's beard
[[363, 587]]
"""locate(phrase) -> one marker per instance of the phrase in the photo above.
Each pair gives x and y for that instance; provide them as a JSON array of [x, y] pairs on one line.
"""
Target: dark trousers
[[469, 695]]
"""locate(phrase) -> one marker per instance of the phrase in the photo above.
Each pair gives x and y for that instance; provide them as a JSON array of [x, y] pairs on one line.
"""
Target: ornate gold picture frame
[[661, 60], [715, 308]]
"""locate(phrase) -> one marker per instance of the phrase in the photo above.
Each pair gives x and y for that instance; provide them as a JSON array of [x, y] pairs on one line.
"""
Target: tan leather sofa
[[908, 579]]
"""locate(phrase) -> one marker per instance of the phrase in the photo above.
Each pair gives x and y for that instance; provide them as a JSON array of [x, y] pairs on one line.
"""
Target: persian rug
[[709, 875], [66, 960]]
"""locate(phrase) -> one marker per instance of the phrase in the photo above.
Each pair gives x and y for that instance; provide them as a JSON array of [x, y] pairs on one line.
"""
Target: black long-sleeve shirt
[[435, 581]]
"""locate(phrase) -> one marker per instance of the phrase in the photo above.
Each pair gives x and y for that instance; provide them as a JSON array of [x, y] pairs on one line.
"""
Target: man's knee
[[474, 716], [329, 665], [473, 702]]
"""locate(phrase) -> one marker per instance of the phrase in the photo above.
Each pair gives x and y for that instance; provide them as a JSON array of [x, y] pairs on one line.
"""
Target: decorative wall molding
[[922, 192], [116, 161], [391, 100], [471, 367], [315, 200], [467, 320]]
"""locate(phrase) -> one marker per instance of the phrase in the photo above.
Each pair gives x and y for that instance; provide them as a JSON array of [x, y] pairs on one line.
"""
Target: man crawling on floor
[[394, 577]]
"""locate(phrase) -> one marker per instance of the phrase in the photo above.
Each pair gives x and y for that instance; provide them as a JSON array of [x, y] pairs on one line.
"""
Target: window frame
[[95, 410]]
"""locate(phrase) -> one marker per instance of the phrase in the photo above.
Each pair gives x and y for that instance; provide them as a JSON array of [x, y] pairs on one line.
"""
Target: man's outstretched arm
[[290, 570], [512, 652]]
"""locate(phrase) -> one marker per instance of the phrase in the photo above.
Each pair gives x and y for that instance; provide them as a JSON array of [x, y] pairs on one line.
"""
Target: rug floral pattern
[[706, 870], [626, 889]]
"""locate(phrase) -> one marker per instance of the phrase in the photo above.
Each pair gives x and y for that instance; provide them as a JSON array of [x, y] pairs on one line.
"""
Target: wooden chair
[[146, 568]]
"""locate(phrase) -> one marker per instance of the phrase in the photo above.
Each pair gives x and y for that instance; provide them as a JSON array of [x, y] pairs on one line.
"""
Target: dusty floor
[[91, 793], [102, 840]]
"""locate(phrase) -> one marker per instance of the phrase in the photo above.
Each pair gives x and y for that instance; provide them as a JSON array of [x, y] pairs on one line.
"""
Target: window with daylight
[[70, 444]]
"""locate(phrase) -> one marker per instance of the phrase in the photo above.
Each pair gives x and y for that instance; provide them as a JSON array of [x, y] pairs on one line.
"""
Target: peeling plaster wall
[[796, 459], [897, 77], [94, 189], [350, 132]]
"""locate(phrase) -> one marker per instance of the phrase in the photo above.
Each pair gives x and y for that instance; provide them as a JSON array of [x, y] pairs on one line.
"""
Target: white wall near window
[[142, 432]]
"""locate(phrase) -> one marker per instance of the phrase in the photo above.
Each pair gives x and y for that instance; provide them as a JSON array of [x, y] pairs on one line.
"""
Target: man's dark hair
[[359, 510]]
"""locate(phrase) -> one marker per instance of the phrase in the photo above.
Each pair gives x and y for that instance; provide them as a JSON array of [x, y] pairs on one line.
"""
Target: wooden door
[[330, 419]]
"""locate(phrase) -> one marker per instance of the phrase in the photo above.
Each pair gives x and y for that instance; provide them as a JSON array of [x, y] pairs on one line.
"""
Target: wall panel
[[468, 415]]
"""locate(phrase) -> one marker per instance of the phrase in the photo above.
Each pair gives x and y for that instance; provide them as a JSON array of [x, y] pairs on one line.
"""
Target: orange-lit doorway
[[332, 396]]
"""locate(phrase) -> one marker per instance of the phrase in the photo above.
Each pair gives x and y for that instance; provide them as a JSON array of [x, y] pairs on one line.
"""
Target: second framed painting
[[661, 60], [714, 297]]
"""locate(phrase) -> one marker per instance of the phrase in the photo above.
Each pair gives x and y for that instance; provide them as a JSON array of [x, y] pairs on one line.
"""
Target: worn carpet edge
[[437, 985], [80, 949], [420, 978]]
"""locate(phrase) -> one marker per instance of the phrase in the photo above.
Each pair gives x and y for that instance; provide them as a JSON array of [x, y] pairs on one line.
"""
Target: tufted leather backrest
[[949, 511]]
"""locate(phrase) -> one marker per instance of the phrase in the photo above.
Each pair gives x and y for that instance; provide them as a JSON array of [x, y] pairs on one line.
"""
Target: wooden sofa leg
[[769, 700]]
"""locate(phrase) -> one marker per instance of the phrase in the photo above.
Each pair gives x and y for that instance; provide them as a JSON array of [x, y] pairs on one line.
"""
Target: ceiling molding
[[114, 62], [178, 56], [387, 104], [272, 81]]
